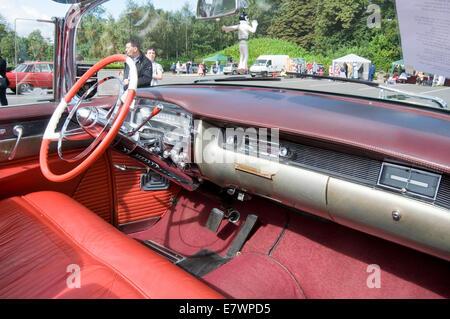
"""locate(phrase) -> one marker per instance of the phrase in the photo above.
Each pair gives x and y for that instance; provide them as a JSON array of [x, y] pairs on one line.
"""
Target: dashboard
[[365, 188]]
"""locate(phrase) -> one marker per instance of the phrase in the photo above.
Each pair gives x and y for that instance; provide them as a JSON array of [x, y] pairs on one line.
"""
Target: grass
[[263, 46]]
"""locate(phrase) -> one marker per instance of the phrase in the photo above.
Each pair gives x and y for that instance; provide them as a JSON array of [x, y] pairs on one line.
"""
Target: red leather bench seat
[[44, 236]]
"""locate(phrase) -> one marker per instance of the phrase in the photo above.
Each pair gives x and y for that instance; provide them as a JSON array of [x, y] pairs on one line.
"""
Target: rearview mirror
[[213, 9]]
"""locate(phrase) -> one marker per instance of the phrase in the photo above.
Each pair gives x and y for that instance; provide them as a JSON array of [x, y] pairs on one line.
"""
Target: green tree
[[7, 46], [384, 47], [295, 22], [264, 11], [340, 23], [90, 33], [36, 45], [6, 40]]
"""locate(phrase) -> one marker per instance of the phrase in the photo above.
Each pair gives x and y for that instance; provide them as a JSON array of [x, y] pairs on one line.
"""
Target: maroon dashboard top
[[406, 133]]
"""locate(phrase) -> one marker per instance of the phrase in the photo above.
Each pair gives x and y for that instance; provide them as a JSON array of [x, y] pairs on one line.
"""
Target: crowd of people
[[428, 79], [189, 68], [420, 78], [146, 65], [301, 66]]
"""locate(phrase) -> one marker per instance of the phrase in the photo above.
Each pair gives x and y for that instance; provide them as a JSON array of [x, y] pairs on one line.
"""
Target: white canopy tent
[[352, 60]]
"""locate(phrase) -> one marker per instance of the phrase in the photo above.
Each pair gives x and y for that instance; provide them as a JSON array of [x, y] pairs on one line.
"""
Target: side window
[[42, 68], [25, 43], [38, 68]]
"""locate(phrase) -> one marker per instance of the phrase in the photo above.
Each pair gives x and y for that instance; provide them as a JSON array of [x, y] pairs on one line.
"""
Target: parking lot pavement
[[37, 95], [363, 90], [330, 86], [169, 78]]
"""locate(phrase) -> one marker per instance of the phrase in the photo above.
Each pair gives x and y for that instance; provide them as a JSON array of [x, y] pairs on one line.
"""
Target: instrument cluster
[[167, 134]]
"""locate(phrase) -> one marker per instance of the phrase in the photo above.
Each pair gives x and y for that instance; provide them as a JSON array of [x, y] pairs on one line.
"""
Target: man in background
[[3, 99], [143, 65], [157, 68]]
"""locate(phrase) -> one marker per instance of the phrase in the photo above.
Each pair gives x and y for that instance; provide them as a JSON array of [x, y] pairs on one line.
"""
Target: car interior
[[220, 190]]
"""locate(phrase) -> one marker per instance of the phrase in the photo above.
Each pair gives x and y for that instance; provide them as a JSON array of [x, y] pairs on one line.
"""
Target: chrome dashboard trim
[[404, 191]]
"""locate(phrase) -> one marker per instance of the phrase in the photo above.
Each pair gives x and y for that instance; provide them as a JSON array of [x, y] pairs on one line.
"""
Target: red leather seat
[[46, 237]]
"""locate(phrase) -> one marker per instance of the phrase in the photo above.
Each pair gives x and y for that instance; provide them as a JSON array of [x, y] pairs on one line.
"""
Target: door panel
[[112, 194], [134, 204], [24, 176]]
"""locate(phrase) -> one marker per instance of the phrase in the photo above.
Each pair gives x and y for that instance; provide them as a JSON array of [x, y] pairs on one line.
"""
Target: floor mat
[[203, 262], [333, 261], [183, 229], [291, 255], [254, 276]]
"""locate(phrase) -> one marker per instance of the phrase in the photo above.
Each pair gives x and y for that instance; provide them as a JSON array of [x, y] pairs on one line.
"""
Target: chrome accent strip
[[30, 146], [441, 102]]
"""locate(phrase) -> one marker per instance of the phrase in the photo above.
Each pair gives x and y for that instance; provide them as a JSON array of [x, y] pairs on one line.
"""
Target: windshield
[[357, 40], [260, 62], [20, 68]]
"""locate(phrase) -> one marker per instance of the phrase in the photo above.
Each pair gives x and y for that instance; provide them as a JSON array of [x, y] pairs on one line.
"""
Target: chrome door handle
[[18, 131]]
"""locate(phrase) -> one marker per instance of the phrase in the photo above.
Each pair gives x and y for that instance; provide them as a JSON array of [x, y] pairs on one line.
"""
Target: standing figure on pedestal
[[244, 28]]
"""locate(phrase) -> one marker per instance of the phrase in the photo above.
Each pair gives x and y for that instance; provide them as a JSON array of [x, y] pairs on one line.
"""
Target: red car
[[31, 75]]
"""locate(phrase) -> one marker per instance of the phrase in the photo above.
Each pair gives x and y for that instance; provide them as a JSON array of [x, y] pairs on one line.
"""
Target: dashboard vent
[[352, 167]]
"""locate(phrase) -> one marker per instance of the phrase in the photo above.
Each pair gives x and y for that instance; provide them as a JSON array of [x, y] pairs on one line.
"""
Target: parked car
[[27, 76], [222, 187], [267, 65], [230, 68]]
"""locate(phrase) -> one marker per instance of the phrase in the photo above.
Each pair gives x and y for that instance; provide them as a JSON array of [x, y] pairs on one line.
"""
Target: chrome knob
[[283, 152], [396, 215]]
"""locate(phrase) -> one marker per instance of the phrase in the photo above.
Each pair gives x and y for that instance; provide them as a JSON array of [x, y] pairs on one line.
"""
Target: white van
[[266, 65]]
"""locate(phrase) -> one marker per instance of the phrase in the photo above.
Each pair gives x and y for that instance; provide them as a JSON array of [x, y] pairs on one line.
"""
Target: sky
[[46, 9]]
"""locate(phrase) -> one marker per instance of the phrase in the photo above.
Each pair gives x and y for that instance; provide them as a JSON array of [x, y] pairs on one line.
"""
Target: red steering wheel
[[50, 134]]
